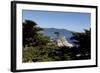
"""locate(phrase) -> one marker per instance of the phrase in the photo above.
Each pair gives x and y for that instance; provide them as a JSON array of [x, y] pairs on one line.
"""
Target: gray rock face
[[62, 41]]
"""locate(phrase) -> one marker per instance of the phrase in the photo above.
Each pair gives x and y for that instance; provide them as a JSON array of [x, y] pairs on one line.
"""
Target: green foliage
[[45, 53], [30, 32], [37, 54], [42, 39], [84, 41], [36, 46]]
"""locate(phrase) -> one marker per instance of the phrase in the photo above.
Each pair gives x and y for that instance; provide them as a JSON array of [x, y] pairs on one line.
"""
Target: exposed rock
[[61, 41]]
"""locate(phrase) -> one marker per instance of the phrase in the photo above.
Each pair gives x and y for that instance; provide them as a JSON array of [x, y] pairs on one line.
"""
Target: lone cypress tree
[[57, 34]]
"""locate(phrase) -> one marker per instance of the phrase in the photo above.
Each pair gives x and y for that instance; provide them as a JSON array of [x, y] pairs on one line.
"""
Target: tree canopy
[[30, 32], [83, 40]]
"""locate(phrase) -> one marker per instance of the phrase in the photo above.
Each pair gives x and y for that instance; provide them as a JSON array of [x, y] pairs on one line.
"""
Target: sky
[[73, 21]]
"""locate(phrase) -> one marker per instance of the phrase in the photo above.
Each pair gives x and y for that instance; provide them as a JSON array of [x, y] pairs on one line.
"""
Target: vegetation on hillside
[[38, 47]]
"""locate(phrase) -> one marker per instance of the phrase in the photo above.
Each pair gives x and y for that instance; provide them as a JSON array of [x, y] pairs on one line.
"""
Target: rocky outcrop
[[62, 41]]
